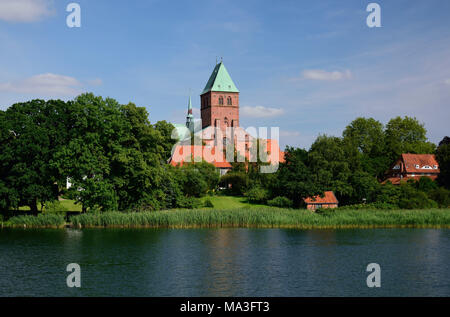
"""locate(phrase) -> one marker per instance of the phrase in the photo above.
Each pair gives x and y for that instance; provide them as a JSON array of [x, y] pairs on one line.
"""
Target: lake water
[[225, 262]]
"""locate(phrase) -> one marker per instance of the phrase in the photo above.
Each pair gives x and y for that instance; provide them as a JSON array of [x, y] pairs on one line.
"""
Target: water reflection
[[225, 262]]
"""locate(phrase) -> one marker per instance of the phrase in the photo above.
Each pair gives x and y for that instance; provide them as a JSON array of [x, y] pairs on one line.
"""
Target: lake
[[224, 262]]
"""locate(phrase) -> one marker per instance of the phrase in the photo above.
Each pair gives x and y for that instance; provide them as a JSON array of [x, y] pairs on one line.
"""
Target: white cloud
[[44, 84], [447, 81], [318, 74], [25, 10], [261, 112], [95, 82]]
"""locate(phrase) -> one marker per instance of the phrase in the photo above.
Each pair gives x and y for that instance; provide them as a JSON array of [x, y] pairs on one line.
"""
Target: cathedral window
[[229, 102], [220, 100]]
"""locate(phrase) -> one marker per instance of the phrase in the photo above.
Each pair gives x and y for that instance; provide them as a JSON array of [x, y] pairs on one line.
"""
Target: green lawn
[[67, 204], [231, 202], [219, 202]]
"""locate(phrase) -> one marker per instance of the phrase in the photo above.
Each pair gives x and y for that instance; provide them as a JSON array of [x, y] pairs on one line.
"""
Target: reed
[[39, 221], [268, 218]]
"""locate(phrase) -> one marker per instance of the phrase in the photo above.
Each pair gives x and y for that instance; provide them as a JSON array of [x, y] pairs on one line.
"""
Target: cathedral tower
[[220, 100]]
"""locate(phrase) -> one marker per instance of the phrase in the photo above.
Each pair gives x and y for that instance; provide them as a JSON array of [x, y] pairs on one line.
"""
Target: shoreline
[[263, 218]]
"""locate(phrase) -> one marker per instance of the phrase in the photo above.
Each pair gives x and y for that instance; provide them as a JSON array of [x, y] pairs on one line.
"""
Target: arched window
[[229, 102], [220, 100]]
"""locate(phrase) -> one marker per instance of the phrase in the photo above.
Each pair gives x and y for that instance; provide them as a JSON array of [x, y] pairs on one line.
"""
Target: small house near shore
[[327, 201]]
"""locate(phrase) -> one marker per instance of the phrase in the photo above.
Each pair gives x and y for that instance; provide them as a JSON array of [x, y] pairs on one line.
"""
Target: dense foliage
[[115, 159], [112, 155], [352, 166]]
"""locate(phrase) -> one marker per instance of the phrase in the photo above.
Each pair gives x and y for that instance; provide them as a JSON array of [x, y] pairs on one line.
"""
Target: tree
[[406, 135], [31, 133], [443, 158], [113, 149], [294, 179], [165, 130], [365, 187], [198, 178], [236, 182], [328, 162], [365, 144]]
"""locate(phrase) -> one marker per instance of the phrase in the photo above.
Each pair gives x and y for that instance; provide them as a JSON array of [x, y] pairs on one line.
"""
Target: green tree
[[443, 158], [113, 150], [199, 178], [364, 141], [365, 187], [31, 133], [406, 135], [165, 129], [328, 162], [294, 179]]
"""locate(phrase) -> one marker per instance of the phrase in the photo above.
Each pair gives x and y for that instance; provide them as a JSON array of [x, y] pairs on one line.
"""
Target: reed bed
[[267, 218], [39, 221]]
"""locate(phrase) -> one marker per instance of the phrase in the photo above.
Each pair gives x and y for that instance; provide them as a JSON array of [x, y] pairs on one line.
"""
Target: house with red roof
[[413, 166], [328, 200]]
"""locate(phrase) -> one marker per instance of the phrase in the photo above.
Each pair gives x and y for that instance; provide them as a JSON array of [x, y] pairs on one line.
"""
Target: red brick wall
[[212, 110], [314, 206]]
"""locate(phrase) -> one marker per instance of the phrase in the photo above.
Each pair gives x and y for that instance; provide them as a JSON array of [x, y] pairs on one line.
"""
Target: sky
[[307, 67]]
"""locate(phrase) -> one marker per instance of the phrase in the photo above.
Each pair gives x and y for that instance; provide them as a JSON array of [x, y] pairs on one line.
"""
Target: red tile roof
[[328, 198], [411, 162], [188, 153], [272, 157]]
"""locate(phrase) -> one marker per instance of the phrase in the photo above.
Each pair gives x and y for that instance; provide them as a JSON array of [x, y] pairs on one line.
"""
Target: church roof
[[220, 80]]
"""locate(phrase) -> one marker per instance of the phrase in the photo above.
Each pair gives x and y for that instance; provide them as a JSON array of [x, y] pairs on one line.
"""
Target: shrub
[[189, 203], [375, 205], [208, 203], [411, 198], [257, 195], [441, 196], [235, 182], [280, 201]]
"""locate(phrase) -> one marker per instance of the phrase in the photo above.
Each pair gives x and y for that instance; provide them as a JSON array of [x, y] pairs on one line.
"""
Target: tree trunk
[[34, 208]]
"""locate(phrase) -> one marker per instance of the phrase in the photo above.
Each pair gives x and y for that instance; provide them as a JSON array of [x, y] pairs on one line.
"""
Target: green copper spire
[[190, 117], [220, 80], [190, 107]]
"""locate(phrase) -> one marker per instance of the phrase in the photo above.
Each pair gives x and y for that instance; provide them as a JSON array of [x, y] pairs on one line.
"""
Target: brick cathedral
[[219, 109]]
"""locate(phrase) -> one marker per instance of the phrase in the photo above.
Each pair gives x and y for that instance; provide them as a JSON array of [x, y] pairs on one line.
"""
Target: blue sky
[[308, 67]]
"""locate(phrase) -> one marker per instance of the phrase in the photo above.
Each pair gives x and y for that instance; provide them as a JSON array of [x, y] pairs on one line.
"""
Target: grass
[[231, 202], [70, 205], [39, 221], [268, 218], [67, 204], [232, 211]]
